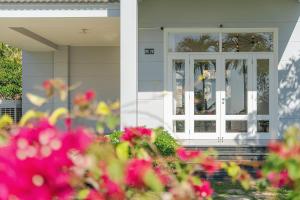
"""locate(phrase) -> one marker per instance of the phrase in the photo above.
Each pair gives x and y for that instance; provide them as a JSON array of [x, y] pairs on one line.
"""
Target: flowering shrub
[[40, 161], [282, 167]]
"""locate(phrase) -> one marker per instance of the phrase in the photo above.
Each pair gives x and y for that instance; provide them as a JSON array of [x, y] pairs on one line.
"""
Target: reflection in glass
[[179, 126], [247, 42], [194, 42], [263, 126], [179, 87], [236, 126], [236, 87], [263, 87], [205, 126], [205, 87]]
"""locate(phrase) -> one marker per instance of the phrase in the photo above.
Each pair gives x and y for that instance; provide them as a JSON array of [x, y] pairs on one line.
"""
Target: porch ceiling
[[43, 34]]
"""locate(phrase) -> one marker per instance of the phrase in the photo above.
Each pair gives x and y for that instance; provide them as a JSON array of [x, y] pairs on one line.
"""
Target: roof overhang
[[43, 27]]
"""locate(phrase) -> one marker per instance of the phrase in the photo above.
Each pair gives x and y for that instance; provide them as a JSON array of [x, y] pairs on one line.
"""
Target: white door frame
[[264, 138]]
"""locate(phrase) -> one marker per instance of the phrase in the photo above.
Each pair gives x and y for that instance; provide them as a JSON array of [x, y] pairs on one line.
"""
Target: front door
[[221, 98]]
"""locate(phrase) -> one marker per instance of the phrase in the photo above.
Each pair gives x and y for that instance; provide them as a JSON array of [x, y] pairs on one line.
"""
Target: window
[[198, 42], [230, 42]]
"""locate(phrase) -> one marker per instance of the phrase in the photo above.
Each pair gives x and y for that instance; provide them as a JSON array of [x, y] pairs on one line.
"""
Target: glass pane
[[236, 87], [205, 87], [247, 42], [194, 42], [263, 126], [236, 126], [205, 126], [179, 87], [179, 126], [263, 87]]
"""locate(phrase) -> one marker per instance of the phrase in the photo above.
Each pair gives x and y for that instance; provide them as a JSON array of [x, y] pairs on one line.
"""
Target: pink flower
[[47, 84], [279, 179], [277, 148], [135, 171], [185, 155], [112, 190], [130, 134], [204, 190], [94, 195], [90, 95], [84, 99], [210, 165], [37, 163]]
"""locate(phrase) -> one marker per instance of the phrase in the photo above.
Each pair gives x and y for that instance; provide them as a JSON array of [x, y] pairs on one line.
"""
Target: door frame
[[274, 119]]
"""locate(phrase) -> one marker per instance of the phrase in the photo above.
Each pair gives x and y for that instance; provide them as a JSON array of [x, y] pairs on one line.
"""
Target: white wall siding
[[283, 15], [37, 67]]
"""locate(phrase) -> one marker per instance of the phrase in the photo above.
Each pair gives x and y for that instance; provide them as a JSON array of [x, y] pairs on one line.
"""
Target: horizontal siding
[[37, 67]]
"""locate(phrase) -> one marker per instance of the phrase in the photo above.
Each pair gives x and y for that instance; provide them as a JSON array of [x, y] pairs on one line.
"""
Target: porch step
[[240, 153]]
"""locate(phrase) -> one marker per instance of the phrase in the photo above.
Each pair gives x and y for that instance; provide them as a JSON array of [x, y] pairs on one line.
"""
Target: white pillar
[[61, 70], [129, 62]]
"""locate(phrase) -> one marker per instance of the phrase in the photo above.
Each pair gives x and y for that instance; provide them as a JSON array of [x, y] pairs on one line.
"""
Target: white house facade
[[210, 72]]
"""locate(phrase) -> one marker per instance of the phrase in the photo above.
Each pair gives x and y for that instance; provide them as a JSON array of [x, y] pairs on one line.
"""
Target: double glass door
[[220, 97]]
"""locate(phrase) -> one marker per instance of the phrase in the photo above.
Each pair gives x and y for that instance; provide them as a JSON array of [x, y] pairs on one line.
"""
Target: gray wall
[[95, 68], [37, 67], [282, 14]]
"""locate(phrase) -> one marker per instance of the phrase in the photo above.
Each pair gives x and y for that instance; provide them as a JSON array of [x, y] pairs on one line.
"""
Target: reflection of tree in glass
[[200, 98], [247, 42], [179, 69], [202, 43], [263, 86], [241, 67]]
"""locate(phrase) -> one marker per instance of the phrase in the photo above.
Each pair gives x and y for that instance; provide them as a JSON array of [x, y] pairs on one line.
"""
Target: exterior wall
[[154, 14], [37, 67], [96, 68]]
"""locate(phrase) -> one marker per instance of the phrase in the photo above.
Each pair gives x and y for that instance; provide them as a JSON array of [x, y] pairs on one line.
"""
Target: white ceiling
[[61, 31]]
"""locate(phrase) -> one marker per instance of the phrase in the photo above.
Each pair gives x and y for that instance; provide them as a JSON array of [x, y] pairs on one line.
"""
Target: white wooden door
[[245, 97], [204, 104]]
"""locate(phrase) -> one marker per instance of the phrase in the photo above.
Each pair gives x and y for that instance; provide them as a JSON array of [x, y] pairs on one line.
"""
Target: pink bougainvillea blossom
[[36, 163], [204, 190], [186, 155], [279, 179], [135, 171], [130, 134], [84, 99], [210, 165]]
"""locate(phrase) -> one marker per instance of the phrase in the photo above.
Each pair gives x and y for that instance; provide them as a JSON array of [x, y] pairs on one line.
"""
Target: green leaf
[[115, 170], [293, 169], [83, 194], [152, 181], [122, 151], [112, 122]]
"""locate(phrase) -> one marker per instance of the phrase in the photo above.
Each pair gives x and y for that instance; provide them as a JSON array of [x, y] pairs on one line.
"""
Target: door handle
[[223, 100]]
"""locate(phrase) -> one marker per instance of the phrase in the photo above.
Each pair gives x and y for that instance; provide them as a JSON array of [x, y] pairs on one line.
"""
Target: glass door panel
[[203, 97], [235, 96], [180, 96], [261, 72]]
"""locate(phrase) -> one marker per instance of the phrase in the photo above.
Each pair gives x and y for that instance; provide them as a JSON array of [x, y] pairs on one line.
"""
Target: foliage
[[282, 166], [10, 72], [164, 142], [10, 79], [41, 161]]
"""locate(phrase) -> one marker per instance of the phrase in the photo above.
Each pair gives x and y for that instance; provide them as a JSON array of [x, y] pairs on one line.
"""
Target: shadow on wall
[[289, 93]]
